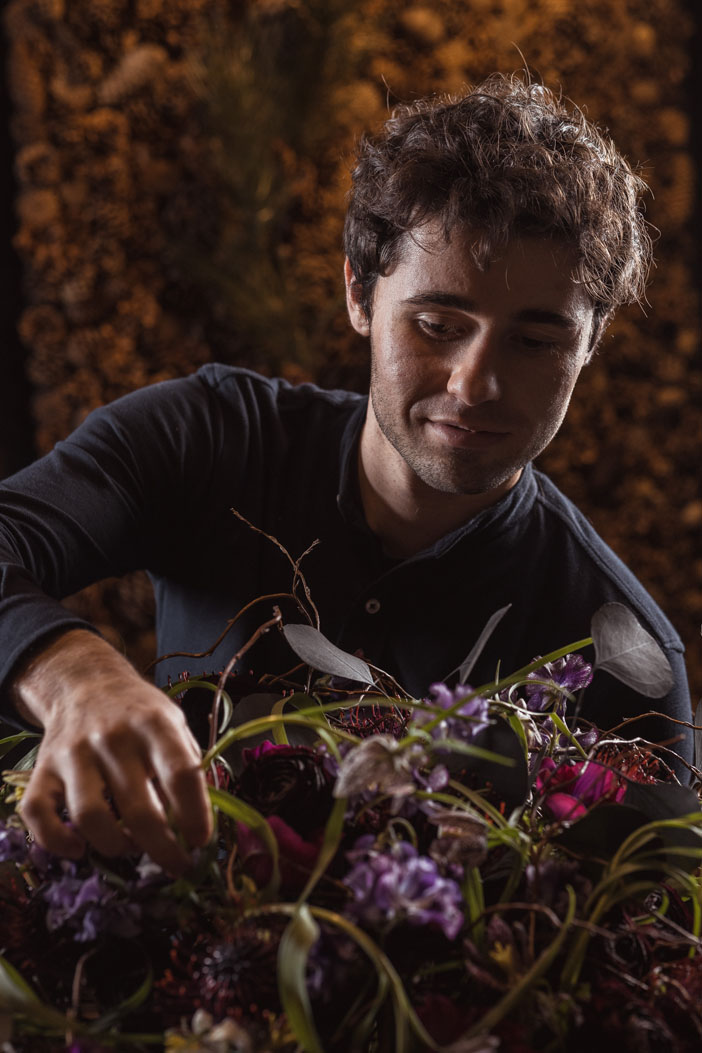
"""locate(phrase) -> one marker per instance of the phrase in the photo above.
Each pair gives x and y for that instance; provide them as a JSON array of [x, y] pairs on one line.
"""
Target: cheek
[[398, 361], [556, 396]]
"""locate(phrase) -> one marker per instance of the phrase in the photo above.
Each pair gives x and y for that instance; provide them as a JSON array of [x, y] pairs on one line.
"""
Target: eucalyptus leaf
[[295, 945], [321, 654], [466, 667], [628, 652]]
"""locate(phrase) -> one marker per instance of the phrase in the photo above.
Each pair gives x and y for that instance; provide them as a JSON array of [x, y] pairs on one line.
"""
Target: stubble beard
[[455, 472]]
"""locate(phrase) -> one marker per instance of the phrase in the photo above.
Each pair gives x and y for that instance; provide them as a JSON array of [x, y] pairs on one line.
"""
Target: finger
[[184, 792], [176, 760], [84, 788], [146, 822], [143, 815], [40, 808]]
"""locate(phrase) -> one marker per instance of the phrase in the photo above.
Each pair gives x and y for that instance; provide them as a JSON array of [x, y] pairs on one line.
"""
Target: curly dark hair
[[509, 158]]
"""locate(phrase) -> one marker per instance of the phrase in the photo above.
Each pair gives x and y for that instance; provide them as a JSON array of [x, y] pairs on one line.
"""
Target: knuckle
[[32, 807], [89, 815], [139, 817]]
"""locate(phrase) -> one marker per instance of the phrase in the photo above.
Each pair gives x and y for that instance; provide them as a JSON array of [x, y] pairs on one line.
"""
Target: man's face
[[471, 371]]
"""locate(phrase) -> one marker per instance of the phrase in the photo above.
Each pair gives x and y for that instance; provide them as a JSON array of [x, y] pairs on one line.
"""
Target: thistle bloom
[[398, 885]]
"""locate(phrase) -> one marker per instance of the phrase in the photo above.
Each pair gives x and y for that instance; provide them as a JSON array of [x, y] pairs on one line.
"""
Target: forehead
[[527, 268]]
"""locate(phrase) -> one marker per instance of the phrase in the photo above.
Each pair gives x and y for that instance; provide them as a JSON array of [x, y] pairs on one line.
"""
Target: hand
[[109, 733]]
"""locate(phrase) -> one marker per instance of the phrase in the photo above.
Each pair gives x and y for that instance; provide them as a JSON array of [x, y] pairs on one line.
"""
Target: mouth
[[456, 433]]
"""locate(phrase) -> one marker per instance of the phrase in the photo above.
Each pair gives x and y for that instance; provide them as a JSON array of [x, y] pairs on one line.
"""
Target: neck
[[405, 513]]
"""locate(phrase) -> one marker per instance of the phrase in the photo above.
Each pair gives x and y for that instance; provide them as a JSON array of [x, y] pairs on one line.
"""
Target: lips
[[474, 426], [459, 434]]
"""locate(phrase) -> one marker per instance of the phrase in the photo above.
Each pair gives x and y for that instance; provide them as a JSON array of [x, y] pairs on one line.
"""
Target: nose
[[473, 377]]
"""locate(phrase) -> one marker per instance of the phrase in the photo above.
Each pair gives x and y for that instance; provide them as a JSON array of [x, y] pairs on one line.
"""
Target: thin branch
[[232, 622], [262, 629], [295, 564]]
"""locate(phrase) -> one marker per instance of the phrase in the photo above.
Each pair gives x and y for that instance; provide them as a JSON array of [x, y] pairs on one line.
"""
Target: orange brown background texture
[[180, 168]]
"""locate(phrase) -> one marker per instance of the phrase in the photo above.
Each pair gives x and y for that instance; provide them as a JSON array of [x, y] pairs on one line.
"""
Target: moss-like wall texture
[[182, 166]]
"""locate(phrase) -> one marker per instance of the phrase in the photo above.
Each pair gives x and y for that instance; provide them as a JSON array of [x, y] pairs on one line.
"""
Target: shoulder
[[218, 403], [248, 388], [594, 566]]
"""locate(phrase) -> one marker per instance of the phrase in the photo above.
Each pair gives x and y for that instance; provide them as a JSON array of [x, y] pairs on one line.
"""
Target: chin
[[464, 484]]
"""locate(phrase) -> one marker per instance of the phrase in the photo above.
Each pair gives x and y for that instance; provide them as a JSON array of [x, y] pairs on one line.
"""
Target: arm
[[97, 506], [106, 729]]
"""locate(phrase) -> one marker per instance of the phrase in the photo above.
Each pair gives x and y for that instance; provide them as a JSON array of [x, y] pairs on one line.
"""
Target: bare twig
[[262, 629], [230, 624], [295, 564]]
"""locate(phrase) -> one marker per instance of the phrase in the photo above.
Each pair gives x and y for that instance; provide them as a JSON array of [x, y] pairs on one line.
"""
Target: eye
[[438, 330], [536, 343]]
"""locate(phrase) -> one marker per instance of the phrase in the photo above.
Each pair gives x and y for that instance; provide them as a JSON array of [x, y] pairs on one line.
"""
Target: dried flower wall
[[182, 169]]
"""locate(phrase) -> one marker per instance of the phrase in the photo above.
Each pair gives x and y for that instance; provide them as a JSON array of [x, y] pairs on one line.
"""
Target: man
[[488, 243]]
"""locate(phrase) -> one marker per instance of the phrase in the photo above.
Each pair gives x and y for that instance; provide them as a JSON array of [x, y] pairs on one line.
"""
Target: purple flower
[[398, 885], [13, 844], [89, 907], [466, 723], [571, 673]]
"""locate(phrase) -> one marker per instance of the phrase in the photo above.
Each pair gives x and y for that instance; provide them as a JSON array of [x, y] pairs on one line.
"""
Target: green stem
[[510, 1000]]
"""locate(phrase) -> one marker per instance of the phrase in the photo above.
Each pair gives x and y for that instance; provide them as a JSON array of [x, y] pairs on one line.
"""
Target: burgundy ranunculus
[[297, 856], [290, 782]]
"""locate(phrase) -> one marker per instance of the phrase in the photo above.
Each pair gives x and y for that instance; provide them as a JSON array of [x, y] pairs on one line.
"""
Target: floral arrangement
[[472, 871]]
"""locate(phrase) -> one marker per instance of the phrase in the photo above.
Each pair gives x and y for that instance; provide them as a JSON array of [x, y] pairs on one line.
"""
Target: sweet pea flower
[[466, 723], [13, 844], [571, 673], [398, 885], [89, 907]]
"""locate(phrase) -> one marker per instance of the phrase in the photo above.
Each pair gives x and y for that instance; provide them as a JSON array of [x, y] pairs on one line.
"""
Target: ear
[[357, 315], [598, 332]]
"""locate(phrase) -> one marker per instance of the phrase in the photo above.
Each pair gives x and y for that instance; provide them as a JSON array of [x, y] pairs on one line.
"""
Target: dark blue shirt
[[150, 480]]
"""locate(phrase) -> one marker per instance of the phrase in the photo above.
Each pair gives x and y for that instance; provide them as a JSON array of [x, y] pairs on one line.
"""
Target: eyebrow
[[462, 303]]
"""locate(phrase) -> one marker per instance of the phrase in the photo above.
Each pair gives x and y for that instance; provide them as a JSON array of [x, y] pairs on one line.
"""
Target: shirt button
[[372, 606]]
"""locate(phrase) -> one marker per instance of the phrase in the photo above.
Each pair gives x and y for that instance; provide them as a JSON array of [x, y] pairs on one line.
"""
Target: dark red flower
[[296, 859], [290, 782]]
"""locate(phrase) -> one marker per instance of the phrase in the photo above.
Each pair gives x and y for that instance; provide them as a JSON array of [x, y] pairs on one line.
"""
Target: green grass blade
[[293, 952]]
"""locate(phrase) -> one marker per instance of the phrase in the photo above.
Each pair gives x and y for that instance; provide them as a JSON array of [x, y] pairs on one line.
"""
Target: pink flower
[[297, 856], [569, 789]]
